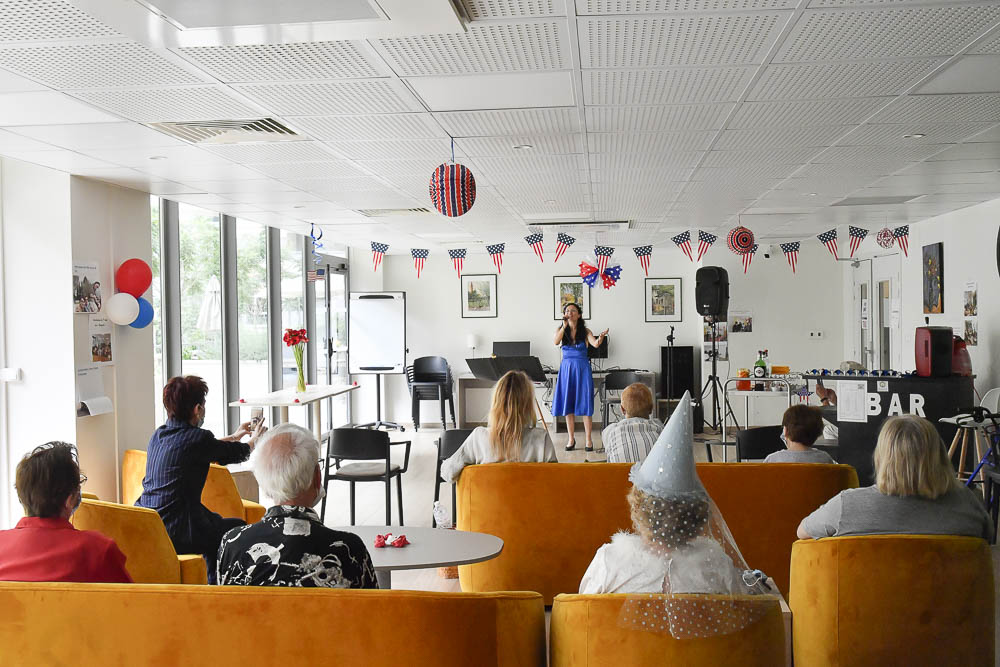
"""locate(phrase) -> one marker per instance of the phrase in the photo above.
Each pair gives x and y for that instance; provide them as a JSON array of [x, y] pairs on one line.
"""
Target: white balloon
[[122, 308]]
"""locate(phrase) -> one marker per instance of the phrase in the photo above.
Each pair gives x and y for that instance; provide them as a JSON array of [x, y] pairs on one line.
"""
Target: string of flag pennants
[[740, 240]]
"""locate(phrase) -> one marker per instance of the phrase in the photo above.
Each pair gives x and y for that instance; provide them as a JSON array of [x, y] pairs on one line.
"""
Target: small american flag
[[458, 259], [496, 251], [419, 257], [791, 251], [603, 253], [705, 241], [563, 242], [829, 239], [535, 241], [683, 241], [378, 252], [902, 235], [643, 253], [316, 274], [857, 235], [748, 257]]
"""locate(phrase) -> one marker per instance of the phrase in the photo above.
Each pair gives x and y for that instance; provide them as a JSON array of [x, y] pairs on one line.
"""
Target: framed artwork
[[567, 290], [933, 272], [663, 300], [479, 295]]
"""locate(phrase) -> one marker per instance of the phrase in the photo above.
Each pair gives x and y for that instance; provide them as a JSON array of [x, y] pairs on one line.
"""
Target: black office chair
[[614, 381], [370, 451], [429, 379], [447, 445], [757, 442]]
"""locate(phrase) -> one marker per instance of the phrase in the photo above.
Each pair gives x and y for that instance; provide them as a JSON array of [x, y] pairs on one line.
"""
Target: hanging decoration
[[378, 252], [563, 242], [748, 258], [603, 253], [419, 257], [791, 251], [609, 276], [496, 251], [133, 277], [884, 238], [902, 235], [453, 187], [535, 241], [829, 239], [705, 241], [316, 245], [643, 254], [857, 235], [740, 240], [683, 241], [457, 259]]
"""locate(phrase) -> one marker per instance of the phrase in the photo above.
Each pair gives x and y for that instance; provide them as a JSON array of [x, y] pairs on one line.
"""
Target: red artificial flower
[[400, 541], [380, 541], [295, 337]]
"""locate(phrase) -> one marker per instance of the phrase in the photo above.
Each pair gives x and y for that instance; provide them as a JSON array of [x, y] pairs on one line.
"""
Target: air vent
[[228, 131], [579, 225], [875, 201], [392, 212]]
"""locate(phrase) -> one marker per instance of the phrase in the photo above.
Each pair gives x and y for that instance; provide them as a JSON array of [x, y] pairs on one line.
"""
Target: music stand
[[493, 368], [483, 368]]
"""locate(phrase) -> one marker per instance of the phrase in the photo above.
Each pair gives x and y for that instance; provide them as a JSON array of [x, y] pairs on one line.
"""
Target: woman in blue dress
[[574, 393]]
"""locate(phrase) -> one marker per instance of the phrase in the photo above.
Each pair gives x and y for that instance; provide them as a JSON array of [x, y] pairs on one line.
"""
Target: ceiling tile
[[976, 151], [181, 103], [657, 119], [792, 137], [505, 146], [10, 141], [333, 97], [230, 187], [968, 74], [501, 9], [860, 154], [292, 170], [47, 108], [660, 142], [805, 113], [388, 150], [12, 83], [538, 121], [668, 86], [30, 20], [597, 7], [286, 62], [942, 108], [495, 91], [98, 135], [158, 156], [285, 151], [753, 157], [379, 127], [60, 160], [648, 161], [952, 166], [856, 79], [893, 134]]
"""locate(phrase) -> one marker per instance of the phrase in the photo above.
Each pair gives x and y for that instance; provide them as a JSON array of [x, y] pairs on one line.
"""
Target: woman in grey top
[[915, 492], [801, 427]]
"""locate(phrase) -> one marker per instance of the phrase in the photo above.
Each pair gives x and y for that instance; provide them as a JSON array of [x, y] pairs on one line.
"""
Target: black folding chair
[[429, 379], [370, 452], [757, 442], [614, 381], [447, 445]]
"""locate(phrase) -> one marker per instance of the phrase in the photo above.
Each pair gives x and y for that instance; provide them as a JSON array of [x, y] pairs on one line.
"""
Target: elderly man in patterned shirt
[[630, 439], [290, 546]]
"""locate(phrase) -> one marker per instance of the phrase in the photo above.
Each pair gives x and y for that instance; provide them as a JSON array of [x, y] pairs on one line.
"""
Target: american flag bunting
[[378, 252], [791, 251], [683, 241], [419, 257], [496, 252], [705, 241], [643, 254], [748, 257], [603, 254], [857, 235], [457, 259], [535, 241], [902, 235], [829, 239], [563, 242]]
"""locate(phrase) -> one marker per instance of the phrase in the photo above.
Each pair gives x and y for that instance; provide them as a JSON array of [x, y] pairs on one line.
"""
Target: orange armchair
[[219, 495], [139, 533], [878, 600], [585, 630]]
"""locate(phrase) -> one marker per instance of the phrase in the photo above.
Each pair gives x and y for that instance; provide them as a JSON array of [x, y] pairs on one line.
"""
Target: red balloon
[[133, 277]]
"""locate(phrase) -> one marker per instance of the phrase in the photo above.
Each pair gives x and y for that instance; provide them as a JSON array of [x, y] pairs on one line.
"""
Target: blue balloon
[[145, 314]]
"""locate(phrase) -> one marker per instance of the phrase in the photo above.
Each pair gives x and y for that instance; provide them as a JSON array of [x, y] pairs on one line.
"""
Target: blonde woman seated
[[511, 434], [915, 492]]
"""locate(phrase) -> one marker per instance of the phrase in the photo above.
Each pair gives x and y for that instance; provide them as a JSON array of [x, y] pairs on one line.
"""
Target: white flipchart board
[[376, 330]]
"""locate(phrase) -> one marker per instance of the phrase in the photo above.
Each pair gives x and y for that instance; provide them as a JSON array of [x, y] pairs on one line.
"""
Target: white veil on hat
[[707, 586]]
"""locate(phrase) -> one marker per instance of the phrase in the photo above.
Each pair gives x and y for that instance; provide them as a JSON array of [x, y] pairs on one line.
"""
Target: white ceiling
[[670, 114]]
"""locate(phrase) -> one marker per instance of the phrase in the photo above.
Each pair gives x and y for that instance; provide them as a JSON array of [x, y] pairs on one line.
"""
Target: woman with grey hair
[[290, 546]]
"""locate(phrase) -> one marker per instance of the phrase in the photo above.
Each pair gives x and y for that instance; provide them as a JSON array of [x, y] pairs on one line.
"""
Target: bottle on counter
[[760, 370]]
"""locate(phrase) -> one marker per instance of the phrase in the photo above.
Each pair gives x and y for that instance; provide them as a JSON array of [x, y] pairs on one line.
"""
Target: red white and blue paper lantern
[[453, 189], [884, 238], [740, 240]]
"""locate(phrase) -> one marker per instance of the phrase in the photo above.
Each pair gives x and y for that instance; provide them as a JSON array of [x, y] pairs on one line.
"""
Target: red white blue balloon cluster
[[132, 279]]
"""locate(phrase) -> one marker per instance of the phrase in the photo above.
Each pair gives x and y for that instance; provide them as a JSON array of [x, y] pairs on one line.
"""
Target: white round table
[[429, 547]]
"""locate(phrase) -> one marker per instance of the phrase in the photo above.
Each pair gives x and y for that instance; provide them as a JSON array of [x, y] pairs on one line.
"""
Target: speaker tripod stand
[[719, 410]]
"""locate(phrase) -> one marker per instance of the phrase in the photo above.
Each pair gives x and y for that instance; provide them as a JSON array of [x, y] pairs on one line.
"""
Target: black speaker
[[681, 360], [711, 291]]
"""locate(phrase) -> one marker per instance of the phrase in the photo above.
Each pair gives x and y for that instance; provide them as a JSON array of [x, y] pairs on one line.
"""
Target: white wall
[[970, 254], [435, 325], [364, 279], [38, 304]]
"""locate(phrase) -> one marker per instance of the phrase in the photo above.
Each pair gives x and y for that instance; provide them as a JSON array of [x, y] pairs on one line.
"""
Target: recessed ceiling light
[[550, 201], [811, 194], [299, 206], [916, 135], [158, 157], [523, 147]]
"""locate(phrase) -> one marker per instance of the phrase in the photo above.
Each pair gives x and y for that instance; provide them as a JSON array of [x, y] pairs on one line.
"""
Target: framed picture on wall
[[933, 276], [567, 290], [663, 300], [479, 295]]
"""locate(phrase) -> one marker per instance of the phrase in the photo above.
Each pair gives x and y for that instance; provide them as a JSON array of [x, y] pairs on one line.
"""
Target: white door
[[864, 348], [886, 327]]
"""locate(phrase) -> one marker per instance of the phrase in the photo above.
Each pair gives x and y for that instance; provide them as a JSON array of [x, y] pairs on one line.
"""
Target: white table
[[785, 393], [286, 398], [429, 547]]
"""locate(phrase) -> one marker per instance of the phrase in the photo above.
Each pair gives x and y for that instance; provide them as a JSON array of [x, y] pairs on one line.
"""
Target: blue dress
[[574, 393]]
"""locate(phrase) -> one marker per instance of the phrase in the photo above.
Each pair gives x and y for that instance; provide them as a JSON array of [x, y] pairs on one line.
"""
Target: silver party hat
[[669, 467]]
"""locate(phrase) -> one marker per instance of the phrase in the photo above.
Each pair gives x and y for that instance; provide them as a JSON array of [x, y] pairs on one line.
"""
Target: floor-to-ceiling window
[[201, 307], [154, 218], [251, 285], [293, 304]]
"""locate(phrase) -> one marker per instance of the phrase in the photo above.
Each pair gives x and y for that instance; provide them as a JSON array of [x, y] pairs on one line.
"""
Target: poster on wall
[[721, 340], [479, 295], [971, 331], [100, 340], [86, 288], [91, 398], [971, 299], [663, 300], [567, 290], [933, 278], [741, 321]]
